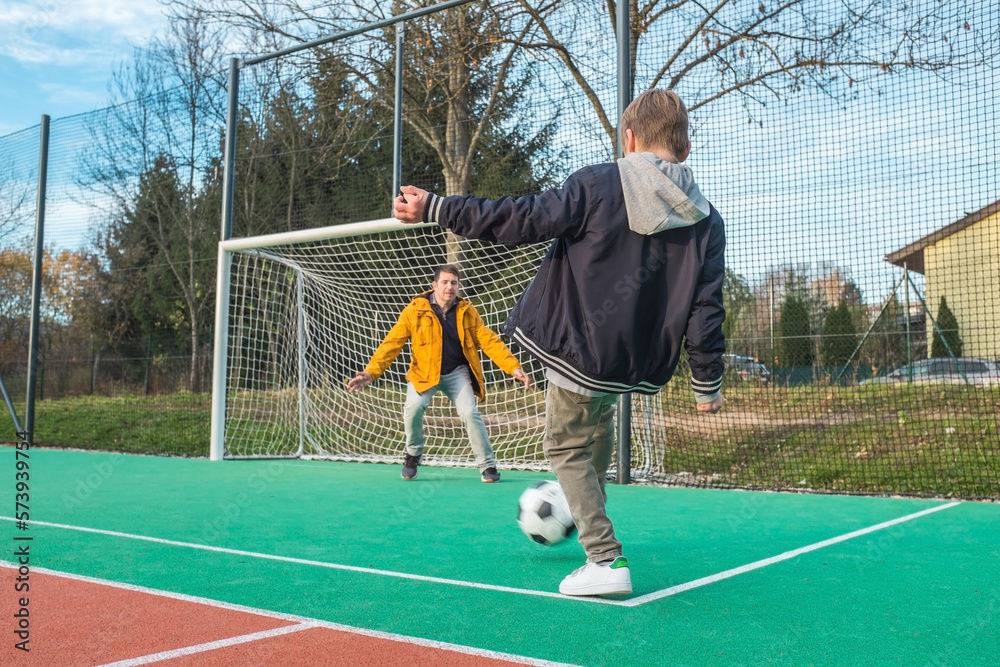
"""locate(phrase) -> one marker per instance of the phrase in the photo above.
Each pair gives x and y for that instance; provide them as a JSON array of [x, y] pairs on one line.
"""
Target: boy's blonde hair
[[658, 119]]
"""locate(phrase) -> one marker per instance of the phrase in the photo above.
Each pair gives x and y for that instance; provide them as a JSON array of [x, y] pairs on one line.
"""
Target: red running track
[[79, 621]]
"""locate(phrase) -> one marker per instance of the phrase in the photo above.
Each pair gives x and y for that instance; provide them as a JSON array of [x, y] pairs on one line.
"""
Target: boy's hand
[[522, 376], [409, 207], [712, 407], [359, 382]]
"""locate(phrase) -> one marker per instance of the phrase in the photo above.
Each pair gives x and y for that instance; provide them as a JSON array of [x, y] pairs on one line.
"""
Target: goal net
[[305, 312]]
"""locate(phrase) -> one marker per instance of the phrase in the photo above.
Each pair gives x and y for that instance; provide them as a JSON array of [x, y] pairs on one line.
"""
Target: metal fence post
[[10, 406], [221, 326], [770, 307], [397, 115], [36, 282], [145, 377], [624, 463], [906, 312]]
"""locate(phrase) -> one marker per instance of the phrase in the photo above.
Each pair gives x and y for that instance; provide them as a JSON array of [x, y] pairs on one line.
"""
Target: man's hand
[[522, 376], [409, 207], [359, 382], [712, 407]]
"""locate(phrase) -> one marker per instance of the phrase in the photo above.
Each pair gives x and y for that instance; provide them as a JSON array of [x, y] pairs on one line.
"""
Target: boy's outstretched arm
[[553, 214]]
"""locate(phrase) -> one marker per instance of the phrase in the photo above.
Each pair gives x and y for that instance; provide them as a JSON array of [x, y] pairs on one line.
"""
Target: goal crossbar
[[320, 233]]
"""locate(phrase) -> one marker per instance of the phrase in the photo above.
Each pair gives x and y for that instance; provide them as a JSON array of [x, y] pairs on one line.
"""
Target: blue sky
[[56, 56]]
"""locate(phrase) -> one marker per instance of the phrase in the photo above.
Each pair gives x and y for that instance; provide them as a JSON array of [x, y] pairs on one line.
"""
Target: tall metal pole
[[221, 329], [397, 115], [93, 359], [229, 175], [906, 312], [10, 407], [36, 282], [770, 307], [149, 354], [624, 98]]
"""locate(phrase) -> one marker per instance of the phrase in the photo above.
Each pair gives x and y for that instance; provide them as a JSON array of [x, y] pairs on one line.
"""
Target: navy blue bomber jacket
[[609, 307]]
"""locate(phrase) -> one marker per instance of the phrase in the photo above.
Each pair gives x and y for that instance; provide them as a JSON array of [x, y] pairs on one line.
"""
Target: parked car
[[756, 371], [747, 368], [979, 372]]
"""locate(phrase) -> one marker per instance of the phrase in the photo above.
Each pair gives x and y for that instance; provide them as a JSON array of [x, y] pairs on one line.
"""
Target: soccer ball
[[544, 514]]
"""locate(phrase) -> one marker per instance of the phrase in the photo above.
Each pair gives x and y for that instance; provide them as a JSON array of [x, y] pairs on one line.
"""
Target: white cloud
[[66, 32], [128, 19], [39, 53], [78, 96]]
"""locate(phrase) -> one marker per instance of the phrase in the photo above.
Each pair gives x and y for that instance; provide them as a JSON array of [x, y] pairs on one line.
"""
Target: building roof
[[913, 254]]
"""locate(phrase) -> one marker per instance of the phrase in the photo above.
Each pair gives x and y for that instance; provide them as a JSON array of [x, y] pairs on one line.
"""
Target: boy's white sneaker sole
[[596, 579]]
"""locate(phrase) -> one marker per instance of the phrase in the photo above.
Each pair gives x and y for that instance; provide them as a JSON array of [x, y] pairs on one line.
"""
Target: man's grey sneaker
[[611, 578], [490, 475], [410, 466]]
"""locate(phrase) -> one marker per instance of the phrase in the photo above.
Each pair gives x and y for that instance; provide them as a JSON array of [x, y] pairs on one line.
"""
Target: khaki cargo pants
[[580, 441]]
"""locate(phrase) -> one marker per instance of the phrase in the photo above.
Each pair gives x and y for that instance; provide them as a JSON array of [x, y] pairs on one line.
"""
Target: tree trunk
[[290, 207], [456, 173], [95, 369], [194, 384], [454, 244]]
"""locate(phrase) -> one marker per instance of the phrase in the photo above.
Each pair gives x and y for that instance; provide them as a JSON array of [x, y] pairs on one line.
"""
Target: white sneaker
[[613, 578]]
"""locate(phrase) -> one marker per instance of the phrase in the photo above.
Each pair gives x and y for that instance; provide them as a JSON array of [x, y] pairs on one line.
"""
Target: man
[[447, 334], [634, 273]]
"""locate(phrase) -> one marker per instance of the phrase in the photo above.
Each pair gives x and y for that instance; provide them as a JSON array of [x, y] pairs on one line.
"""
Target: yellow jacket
[[418, 323]]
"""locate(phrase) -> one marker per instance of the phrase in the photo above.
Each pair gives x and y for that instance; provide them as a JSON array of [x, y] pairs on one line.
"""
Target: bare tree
[[154, 158], [459, 64], [15, 194], [754, 49]]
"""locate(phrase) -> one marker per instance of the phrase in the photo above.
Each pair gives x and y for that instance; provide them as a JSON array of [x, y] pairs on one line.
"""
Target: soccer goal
[[301, 312]]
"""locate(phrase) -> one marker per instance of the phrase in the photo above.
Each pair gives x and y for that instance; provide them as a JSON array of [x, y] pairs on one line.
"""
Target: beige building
[[962, 264]]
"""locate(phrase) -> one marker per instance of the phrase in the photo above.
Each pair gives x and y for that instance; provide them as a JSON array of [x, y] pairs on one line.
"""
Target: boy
[[634, 272]]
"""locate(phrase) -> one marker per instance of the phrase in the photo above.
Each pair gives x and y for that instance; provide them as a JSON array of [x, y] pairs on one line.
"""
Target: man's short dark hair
[[447, 268]]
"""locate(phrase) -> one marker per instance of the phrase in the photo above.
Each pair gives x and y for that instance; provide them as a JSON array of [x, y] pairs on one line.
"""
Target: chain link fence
[[856, 171]]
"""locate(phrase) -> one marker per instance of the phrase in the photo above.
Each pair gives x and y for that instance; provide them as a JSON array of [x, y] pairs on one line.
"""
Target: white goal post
[[299, 313]]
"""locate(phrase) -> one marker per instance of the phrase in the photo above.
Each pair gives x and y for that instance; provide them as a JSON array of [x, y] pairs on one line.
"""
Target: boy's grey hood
[[659, 195]]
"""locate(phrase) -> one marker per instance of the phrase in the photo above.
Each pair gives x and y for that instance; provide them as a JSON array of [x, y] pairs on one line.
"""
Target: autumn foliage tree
[[156, 161], [69, 288]]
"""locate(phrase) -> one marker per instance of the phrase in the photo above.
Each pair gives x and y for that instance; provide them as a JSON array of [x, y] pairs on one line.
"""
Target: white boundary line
[[209, 646], [301, 622], [332, 566], [704, 581], [633, 602]]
